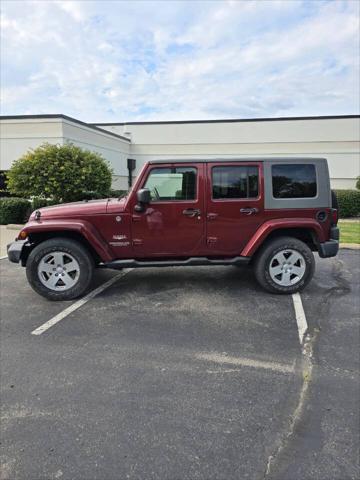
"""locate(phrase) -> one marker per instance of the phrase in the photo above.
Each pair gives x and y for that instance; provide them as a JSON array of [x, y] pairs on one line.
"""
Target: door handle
[[191, 212], [249, 211]]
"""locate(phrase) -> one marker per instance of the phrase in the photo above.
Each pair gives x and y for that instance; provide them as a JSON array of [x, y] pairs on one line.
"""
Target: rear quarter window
[[294, 181]]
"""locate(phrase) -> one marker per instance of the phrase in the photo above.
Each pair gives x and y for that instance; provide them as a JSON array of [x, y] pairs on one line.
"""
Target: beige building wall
[[336, 139], [17, 136], [114, 149]]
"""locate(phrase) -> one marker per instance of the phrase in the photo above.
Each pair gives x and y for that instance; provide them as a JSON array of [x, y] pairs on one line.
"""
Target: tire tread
[[268, 251], [82, 255]]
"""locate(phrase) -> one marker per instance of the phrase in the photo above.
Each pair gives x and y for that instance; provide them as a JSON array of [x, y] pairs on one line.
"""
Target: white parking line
[[300, 316], [75, 306]]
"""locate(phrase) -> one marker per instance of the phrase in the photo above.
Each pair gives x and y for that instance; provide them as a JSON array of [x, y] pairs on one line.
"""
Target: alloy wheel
[[59, 271], [287, 267]]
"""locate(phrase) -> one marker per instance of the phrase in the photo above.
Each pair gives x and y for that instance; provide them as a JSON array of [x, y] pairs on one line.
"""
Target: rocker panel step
[[189, 262]]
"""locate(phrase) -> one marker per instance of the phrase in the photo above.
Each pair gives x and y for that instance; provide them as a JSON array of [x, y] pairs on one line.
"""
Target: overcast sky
[[103, 61]]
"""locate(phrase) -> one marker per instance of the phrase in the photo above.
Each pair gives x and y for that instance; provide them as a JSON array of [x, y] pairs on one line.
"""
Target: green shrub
[[117, 193], [349, 203], [14, 210], [358, 183], [38, 202], [62, 173], [93, 196]]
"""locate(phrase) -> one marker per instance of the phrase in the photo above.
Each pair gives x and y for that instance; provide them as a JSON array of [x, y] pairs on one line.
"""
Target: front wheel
[[59, 269], [285, 265]]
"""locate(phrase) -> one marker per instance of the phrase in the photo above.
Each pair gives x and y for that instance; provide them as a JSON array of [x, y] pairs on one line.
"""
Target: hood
[[116, 205], [76, 209]]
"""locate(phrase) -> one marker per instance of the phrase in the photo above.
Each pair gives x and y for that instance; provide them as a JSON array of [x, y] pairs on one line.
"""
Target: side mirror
[[144, 198]]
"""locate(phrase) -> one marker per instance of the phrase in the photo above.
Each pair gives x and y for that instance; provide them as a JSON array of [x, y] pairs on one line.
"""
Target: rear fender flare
[[271, 225]]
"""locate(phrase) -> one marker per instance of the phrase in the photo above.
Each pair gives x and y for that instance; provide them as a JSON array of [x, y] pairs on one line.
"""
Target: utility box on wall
[[131, 165]]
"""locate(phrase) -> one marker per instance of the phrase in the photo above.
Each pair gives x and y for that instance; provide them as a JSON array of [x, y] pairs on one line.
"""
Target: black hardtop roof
[[243, 159]]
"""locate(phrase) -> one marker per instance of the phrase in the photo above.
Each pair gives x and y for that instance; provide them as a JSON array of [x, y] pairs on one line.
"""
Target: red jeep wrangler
[[272, 213]]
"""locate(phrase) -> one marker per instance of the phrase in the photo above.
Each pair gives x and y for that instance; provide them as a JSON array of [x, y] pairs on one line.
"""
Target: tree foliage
[[63, 173], [358, 182]]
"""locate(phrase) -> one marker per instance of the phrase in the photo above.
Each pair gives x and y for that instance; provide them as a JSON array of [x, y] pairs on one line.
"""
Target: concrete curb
[[13, 226], [350, 246]]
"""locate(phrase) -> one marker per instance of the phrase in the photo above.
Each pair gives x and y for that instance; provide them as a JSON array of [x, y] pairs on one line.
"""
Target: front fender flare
[[82, 227], [271, 225]]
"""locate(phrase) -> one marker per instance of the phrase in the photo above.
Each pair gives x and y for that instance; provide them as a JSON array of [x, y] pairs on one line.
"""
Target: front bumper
[[14, 250], [331, 247]]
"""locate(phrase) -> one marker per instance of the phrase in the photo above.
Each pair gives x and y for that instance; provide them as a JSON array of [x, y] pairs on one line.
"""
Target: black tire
[[77, 251], [265, 256]]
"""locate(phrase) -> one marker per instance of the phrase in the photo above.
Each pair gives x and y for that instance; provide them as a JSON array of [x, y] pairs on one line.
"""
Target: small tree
[[63, 173], [358, 182]]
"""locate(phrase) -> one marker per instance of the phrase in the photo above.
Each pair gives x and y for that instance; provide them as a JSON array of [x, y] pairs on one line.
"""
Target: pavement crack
[[306, 370]]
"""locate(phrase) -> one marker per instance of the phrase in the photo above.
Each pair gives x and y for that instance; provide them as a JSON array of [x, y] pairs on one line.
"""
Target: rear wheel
[[59, 269], [285, 265]]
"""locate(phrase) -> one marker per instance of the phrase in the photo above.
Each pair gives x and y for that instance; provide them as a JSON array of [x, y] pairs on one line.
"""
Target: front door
[[173, 223], [234, 206]]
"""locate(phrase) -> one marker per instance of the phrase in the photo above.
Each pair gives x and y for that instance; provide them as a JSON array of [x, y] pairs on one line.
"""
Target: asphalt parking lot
[[182, 373]]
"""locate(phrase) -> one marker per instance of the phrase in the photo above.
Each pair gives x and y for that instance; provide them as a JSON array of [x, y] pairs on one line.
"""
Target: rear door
[[173, 223], [235, 205]]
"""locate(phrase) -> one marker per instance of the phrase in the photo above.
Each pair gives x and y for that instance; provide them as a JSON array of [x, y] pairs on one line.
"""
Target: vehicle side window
[[177, 183], [294, 181], [235, 182]]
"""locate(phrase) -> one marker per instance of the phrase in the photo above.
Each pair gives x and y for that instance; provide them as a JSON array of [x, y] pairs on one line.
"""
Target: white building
[[336, 138]]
